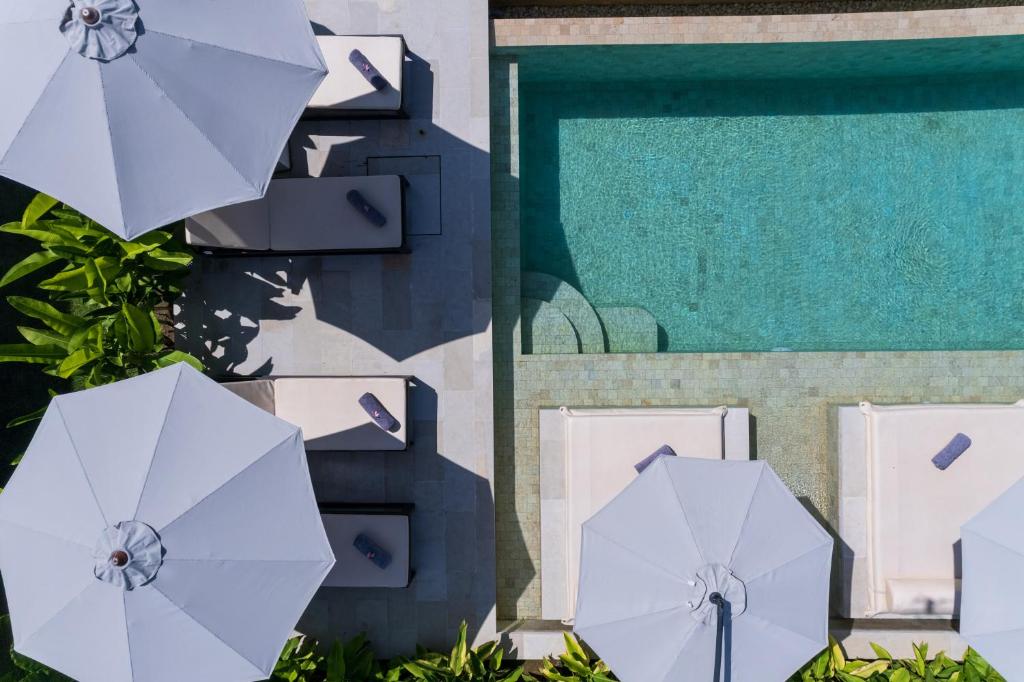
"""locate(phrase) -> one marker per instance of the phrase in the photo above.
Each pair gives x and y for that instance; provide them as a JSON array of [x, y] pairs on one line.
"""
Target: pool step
[[546, 329], [581, 315], [629, 330]]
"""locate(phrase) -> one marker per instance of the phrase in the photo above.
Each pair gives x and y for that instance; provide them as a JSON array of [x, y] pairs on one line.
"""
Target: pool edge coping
[[508, 34]]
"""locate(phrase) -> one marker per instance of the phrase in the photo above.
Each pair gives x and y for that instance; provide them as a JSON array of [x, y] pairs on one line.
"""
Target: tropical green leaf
[[28, 265], [49, 238], [415, 670], [869, 669], [881, 652], [34, 415], [77, 360], [572, 646], [30, 353], [145, 243], [336, 667], [160, 259], [901, 675], [40, 205], [43, 337], [60, 322], [142, 332]]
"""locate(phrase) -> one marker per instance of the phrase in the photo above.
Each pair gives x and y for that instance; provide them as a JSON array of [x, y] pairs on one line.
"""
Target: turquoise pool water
[[861, 196]]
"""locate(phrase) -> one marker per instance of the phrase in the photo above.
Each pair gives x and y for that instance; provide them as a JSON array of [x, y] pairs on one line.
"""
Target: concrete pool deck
[[424, 314], [791, 396]]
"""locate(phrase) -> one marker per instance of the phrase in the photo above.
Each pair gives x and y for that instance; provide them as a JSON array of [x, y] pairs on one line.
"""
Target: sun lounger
[[346, 92], [900, 515], [306, 214], [587, 456], [328, 410], [386, 526]]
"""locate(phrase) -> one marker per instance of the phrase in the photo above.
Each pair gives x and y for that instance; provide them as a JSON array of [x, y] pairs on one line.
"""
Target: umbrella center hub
[[119, 558], [128, 555], [101, 29], [90, 16], [711, 584]]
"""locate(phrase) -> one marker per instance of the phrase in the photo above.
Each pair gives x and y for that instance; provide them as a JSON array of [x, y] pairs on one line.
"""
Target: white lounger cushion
[[327, 409], [588, 457], [314, 214], [909, 597], [604, 446], [915, 510], [306, 214], [389, 531], [346, 88], [259, 392], [241, 226]]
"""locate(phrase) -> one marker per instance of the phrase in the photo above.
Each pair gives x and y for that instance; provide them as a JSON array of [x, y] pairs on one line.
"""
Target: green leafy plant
[[352, 661], [483, 664], [99, 347], [832, 666], [96, 265], [300, 661], [574, 664], [99, 323]]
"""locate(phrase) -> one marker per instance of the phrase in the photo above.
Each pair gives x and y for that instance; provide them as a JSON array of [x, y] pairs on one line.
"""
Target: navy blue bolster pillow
[[378, 413], [663, 451], [372, 551], [365, 208], [952, 451], [369, 71]]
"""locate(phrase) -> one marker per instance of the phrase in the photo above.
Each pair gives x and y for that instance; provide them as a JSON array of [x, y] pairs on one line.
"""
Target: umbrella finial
[[90, 16], [128, 555]]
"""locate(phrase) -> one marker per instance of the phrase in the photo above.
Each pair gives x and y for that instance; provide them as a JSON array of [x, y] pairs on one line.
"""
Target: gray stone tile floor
[[425, 314]]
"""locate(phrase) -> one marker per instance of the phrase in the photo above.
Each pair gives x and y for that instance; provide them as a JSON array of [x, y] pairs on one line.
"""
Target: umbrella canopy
[[683, 531], [160, 529], [141, 113], [992, 599]]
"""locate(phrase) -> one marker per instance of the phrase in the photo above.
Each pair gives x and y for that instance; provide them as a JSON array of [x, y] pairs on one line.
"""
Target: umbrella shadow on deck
[[403, 303], [225, 307], [452, 530]]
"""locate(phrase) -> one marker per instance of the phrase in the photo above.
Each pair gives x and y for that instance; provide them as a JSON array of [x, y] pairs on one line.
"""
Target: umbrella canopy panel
[[158, 110], [209, 502], [991, 615], [683, 530]]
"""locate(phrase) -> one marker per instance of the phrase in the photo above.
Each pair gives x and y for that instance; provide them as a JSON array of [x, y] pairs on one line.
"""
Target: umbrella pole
[[719, 602]]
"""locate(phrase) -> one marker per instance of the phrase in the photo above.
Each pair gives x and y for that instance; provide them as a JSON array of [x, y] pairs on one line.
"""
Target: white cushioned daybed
[[327, 409], [900, 516], [300, 215], [587, 456], [387, 525], [345, 92]]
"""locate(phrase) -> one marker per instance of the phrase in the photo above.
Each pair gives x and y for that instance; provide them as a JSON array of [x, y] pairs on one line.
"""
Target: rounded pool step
[[546, 330], [541, 286], [629, 330]]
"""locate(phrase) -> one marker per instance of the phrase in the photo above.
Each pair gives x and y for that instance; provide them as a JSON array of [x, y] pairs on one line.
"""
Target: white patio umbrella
[[140, 113], [160, 529], [691, 544], [992, 597]]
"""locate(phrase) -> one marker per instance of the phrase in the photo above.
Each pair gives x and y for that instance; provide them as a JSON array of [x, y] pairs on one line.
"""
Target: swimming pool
[[812, 197]]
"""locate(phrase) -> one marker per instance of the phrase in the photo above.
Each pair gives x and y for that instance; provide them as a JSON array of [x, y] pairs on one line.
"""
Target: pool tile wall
[[791, 396]]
